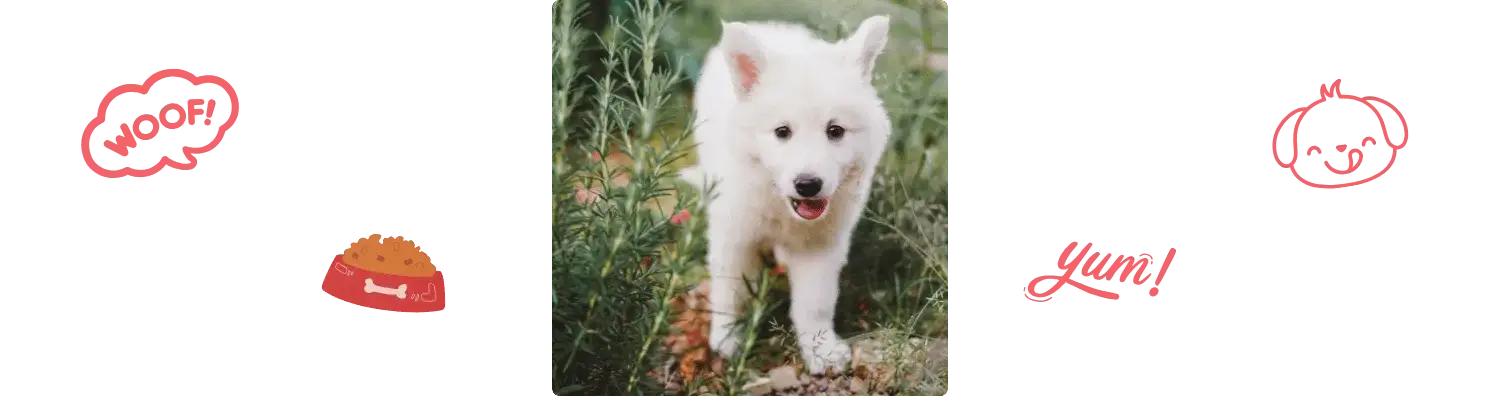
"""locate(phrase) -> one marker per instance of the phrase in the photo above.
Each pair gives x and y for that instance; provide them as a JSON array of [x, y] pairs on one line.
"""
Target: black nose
[[808, 186]]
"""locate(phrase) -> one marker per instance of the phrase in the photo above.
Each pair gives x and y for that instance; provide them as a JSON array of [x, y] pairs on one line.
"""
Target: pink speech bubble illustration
[[165, 121], [1355, 155]]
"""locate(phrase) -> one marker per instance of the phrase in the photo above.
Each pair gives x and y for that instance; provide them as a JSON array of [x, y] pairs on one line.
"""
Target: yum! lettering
[[1074, 261]]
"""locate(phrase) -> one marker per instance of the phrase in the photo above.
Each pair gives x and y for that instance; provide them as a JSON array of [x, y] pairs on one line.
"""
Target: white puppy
[[789, 129]]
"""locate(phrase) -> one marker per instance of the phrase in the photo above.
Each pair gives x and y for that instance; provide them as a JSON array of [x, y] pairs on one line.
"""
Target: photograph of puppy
[[750, 197], [780, 108]]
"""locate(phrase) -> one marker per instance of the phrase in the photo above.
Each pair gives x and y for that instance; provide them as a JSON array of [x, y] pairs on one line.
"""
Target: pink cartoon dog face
[[1340, 140]]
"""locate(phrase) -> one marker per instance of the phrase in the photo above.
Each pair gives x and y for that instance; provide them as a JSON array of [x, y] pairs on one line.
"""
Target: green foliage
[[609, 302]]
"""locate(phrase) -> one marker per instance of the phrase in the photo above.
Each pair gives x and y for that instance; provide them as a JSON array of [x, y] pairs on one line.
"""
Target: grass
[[620, 107]]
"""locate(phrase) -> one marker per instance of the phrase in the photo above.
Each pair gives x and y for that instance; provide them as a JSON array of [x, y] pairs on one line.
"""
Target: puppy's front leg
[[815, 292], [731, 266]]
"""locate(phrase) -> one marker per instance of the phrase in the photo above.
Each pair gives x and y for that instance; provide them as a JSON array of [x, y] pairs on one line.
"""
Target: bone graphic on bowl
[[371, 287], [429, 296]]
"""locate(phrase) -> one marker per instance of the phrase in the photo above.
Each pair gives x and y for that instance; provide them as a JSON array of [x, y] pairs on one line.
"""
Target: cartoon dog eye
[[1369, 140], [1310, 150]]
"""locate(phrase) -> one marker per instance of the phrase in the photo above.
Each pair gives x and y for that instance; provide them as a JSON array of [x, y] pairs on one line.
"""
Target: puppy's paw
[[724, 341], [828, 355]]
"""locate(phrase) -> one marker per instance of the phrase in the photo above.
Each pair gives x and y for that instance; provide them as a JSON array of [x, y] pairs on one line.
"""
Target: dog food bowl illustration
[[391, 274]]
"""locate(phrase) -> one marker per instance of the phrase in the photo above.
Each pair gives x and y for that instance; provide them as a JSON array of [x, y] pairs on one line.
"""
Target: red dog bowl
[[384, 291]]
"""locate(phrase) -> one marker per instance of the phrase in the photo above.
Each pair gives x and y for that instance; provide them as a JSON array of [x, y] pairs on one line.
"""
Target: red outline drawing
[[234, 112], [1383, 113]]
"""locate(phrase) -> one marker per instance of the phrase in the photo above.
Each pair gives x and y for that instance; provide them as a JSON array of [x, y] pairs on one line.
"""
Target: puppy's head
[[811, 117], [1340, 140]]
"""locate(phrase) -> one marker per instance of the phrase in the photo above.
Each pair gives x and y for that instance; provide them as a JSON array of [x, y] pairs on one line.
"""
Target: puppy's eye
[[1368, 140], [835, 132], [1310, 150], [782, 132]]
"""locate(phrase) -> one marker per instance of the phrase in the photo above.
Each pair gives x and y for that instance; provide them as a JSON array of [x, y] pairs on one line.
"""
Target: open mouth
[[809, 209], [1355, 158]]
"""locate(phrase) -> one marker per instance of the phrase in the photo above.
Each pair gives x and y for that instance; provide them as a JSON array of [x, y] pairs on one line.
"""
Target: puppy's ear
[[1394, 122], [1284, 142], [868, 42], [744, 56]]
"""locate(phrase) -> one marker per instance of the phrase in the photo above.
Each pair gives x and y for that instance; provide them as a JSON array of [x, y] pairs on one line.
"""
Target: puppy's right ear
[[744, 56], [1284, 143]]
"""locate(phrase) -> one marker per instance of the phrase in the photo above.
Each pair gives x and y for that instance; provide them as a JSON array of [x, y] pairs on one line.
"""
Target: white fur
[[804, 83]]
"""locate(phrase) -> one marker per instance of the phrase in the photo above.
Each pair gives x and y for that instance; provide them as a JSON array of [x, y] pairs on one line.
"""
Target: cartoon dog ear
[[1284, 143], [868, 41], [1394, 122], [744, 56]]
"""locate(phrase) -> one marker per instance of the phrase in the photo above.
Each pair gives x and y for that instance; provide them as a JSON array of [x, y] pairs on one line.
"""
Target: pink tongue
[[810, 210]]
